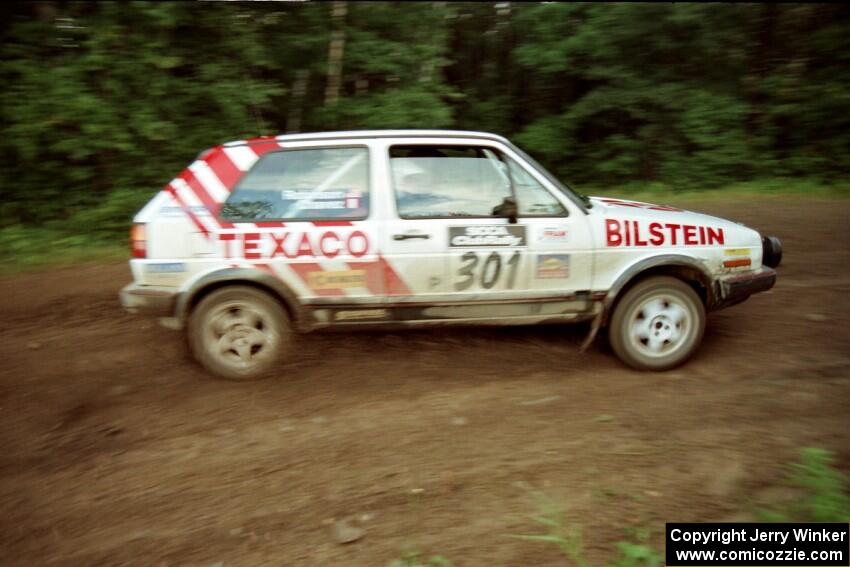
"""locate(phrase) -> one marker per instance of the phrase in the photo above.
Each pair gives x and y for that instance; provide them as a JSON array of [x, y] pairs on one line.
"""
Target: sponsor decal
[[551, 266], [336, 280], [287, 244], [337, 199], [353, 199], [487, 236], [165, 268], [360, 314], [737, 251], [553, 233], [642, 233]]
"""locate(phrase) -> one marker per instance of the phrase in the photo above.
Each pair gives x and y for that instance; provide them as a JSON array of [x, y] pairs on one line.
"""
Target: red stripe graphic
[[187, 210], [304, 269], [224, 168], [374, 276], [203, 195], [301, 273], [381, 277], [227, 172], [263, 145], [281, 224], [393, 284]]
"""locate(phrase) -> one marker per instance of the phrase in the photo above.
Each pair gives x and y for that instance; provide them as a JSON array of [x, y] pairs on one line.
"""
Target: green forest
[[102, 103]]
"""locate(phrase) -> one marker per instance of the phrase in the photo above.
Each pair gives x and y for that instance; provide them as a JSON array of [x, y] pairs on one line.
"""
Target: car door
[[560, 246], [452, 247]]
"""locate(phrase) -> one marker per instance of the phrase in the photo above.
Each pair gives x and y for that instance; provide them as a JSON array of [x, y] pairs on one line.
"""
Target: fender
[[236, 276], [662, 260]]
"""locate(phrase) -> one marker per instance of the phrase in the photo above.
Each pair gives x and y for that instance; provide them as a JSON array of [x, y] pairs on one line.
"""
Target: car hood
[[638, 210]]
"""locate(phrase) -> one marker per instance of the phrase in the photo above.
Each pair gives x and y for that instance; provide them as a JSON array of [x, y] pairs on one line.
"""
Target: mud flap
[[599, 312]]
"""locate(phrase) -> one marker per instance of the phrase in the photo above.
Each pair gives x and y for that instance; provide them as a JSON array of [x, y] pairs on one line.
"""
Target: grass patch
[[820, 491], [821, 496], [568, 539], [414, 559], [99, 233], [94, 234], [33, 249], [760, 189]]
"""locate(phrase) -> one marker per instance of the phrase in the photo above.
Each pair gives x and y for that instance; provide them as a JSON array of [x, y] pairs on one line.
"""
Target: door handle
[[408, 236]]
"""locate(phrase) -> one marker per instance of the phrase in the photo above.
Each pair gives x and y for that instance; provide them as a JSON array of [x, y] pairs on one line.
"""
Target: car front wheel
[[240, 333], [658, 324]]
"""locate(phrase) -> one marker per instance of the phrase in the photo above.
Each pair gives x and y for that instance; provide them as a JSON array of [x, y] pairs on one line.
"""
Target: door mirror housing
[[508, 209]]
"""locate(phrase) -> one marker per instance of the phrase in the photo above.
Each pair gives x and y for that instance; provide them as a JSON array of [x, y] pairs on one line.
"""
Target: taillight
[[138, 245]]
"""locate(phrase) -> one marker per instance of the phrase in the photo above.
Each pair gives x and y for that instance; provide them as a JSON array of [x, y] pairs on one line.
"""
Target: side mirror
[[507, 209]]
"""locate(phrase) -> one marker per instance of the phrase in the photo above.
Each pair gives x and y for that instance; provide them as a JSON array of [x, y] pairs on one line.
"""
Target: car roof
[[368, 134]]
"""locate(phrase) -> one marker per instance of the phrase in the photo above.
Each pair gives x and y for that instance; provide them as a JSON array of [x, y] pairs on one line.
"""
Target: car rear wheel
[[658, 324], [240, 333]]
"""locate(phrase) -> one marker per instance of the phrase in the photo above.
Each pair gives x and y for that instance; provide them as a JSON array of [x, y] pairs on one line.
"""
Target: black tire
[[240, 333], [670, 315]]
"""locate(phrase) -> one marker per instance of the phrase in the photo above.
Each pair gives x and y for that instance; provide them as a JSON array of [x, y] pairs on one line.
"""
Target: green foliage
[[823, 497], [29, 248], [568, 539], [639, 554], [684, 93], [414, 107], [100, 230], [828, 499], [103, 98], [663, 193], [415, 559], [822, 491]]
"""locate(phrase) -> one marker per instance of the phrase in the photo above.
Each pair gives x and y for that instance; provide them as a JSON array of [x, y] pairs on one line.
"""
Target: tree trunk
[[336, 49], [296, 109], [361, 86]]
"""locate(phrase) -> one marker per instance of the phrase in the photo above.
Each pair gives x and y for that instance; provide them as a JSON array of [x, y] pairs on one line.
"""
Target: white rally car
[[259, 239]]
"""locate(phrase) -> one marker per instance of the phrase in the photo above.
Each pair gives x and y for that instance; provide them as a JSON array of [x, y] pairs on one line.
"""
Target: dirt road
[[117, 449]]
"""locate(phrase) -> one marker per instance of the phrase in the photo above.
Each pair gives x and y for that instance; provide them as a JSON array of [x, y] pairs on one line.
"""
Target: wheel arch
[[685, 268], [227, 277]]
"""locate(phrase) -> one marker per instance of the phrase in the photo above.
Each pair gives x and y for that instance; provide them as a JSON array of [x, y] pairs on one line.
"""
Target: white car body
[[385, 269]]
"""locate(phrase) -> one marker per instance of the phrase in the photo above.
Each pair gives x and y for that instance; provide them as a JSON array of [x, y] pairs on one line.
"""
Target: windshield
[[581, 200]]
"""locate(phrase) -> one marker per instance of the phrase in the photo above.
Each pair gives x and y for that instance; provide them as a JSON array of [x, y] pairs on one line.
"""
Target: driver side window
[[433, 181], [533, 200]]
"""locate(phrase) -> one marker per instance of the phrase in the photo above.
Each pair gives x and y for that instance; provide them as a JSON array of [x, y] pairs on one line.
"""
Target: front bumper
[[735, 288], [149, 299]]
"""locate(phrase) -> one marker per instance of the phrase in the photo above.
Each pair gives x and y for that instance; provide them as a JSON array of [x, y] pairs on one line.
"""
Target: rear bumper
[[735, 288], [149, 299]]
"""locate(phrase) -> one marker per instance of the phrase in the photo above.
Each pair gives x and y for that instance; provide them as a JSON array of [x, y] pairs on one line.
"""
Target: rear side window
[[314, 184], [447, 181]]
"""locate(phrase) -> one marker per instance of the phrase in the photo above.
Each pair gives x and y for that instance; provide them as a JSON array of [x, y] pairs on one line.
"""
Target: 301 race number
[[490, 271]]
